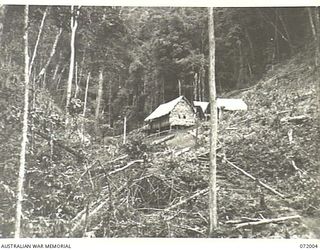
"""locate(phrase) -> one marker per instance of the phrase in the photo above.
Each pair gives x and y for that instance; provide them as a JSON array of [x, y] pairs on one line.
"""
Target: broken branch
[[125, 167], [57, 143], [167, 138], [188, 199], [255, 179], [267, 221]]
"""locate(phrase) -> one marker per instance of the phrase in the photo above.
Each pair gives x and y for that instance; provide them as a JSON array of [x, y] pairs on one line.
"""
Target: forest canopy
[[145, 53]]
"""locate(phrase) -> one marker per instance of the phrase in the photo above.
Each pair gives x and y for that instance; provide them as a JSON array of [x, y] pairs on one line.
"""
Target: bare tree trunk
[[240, 83], [275, 40], [124, 129], [2, 14], [53, 50], [195, 87], [110, 105], [313, 29], [163, 90], [214, 130], [24, 129], [86, 95], [85, 107], [286, 31], [76, 82], [199, 85], [98, 100], [80, 74], [317, 66], [38, 39], [74, 25], [179, 85], [55, 72], [202, 83]]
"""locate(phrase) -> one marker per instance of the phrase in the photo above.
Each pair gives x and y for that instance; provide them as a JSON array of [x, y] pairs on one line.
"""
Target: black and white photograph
[[159, 122]]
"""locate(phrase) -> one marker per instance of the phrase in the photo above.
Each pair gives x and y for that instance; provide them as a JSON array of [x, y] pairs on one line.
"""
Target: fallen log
[[242, 220], [182, 151], [187, 199], [80, 218], [61, 145], [125, 167], [267, 221], [117, 159], [167, 138], [94, 208], [296, 119], [272, 190]]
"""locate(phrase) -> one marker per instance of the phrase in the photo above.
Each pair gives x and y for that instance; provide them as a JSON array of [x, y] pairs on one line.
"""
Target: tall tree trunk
[[86, 96], [80, 73], [163, 89], [214, 130], [199, 85], [55, 71], [24, 129], [286, 31], [110, 104], [76, 82], [313, 29], [195, 87], [241, 77], [2, 14], [38, 40], [124, 129], [180, 87], [85, 107], [317, 65], [98, 100], [74, 25], [275, 41], [53, 51], [202, 83]]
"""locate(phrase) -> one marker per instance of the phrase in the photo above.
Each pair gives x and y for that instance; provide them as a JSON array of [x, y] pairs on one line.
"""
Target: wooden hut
[[223, 104], [174, 114]]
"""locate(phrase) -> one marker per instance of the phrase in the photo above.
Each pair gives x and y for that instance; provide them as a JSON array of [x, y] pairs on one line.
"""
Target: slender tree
[[38, 39], [85, 107], [2, 11], [25, 127], [74, 25], [317, 64], [98, 100], [53, 51], [214, 129]]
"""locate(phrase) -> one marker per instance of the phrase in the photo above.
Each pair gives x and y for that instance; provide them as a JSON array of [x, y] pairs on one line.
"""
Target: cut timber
[[182, 151], [125, 167], [59, 144], [187, 199], [255, 179], [80, 218], [167, 138], [243, 220], [118, 159], [267, 221], [295, 119]]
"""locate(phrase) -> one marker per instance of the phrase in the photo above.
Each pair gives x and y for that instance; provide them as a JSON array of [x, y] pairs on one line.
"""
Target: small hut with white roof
[[174, 114]]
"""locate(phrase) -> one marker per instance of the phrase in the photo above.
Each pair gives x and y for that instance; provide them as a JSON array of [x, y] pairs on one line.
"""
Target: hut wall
[[182, 115], [161, 122]]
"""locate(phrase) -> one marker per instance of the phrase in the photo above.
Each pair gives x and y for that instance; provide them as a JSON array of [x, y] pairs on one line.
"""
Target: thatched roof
[[164, 109]]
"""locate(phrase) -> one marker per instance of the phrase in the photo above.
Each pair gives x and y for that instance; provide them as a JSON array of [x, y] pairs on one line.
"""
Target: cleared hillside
[[108, 189]]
